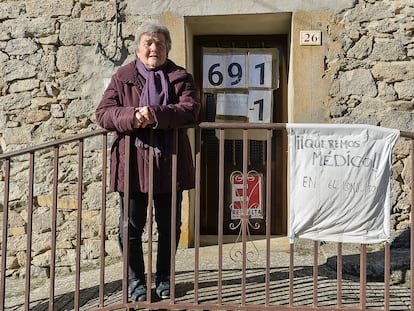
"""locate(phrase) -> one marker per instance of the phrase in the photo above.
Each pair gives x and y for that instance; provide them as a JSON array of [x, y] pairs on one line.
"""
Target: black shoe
[[138, 290], [163, 289]]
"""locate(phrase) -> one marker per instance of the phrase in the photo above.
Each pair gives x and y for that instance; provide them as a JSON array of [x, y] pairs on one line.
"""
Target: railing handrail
[[241, 125], [51, 144], [206, 125]]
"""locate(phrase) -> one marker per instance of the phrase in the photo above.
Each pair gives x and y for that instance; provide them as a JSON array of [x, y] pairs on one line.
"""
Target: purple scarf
[[155, 92]]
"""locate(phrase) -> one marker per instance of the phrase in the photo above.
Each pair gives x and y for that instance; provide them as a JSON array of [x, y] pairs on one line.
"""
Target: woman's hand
[[143, 117]]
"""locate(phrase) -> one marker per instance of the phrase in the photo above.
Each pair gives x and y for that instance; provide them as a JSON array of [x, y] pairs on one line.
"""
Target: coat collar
[[129, 73]]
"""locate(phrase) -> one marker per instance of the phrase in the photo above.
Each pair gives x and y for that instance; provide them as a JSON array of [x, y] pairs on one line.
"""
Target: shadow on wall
[[400, 262]]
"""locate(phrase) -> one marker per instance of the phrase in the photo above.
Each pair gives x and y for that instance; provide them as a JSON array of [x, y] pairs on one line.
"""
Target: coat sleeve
[[113, 112], [184, 107]]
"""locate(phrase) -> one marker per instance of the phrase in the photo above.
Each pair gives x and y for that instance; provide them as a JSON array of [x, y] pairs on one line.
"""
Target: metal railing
[[271, 296]]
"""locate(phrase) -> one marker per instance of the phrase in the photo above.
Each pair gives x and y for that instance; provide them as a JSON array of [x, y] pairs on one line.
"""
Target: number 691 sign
[[237, 70]]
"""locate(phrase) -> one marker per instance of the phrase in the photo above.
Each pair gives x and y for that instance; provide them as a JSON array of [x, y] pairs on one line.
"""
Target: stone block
[[98, 11], [12, 263], [112, 248], [388, 50], [66, 257], [17, 230], [24, 85], [67, 59], [35, 116], [64, 204], [362, 48], [84, 33], [91, 249], [405, 89], [393, 71], [43, 101], [42, 260], [49, 40], [15, 69], [15, 102], [57, 110], [15, 244], [10, 10], [80, 108], [357, 82], [42, 27], [17, 135], [49, 8]]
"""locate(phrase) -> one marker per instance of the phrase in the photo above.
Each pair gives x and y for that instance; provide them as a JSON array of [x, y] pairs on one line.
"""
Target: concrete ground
[[232, 279]]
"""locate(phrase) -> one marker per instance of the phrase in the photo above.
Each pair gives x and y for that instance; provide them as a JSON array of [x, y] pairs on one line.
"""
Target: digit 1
[[260, 103], [261, 66]]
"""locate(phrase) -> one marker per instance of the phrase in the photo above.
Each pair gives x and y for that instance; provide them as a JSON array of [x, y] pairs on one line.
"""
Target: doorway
[[275, 45]]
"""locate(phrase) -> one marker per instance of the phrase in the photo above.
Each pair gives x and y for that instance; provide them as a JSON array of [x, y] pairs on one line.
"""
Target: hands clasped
[[143, 117]]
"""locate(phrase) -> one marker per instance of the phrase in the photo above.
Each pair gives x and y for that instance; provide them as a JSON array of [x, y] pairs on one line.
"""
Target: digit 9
[[238, 74]]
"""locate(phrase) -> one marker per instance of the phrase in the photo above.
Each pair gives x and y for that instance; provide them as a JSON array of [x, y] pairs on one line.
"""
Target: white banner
[[340, 182]]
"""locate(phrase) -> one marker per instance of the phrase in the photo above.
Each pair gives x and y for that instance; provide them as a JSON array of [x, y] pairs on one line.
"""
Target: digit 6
[[212, 73]]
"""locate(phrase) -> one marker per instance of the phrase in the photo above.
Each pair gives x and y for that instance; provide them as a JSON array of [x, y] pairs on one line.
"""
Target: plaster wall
[[220, 7]]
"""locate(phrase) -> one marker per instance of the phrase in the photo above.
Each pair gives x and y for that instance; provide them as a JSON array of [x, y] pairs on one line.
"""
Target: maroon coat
[[116, 112]]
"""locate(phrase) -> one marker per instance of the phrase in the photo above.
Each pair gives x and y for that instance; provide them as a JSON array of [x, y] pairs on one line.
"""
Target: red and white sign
[[253, 194]]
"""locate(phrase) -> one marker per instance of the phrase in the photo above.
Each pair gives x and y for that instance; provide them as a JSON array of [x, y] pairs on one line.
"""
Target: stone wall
[[54, 63], [52, 76], [370, 62]]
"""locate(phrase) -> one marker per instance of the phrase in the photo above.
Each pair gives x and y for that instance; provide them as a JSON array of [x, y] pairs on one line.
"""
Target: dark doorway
[[233, 147]]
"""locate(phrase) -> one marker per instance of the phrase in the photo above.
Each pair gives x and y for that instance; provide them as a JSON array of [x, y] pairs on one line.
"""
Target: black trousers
[[137, 221]]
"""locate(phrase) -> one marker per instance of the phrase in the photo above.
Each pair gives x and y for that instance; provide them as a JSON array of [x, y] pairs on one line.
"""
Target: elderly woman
[[150, 93]]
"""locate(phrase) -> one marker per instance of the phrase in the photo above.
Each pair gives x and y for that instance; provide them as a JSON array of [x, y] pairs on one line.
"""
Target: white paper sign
[[213, 71], [231, 104], [236, 71], [224, 70], [260, 70], [339, 182], [260, 106]]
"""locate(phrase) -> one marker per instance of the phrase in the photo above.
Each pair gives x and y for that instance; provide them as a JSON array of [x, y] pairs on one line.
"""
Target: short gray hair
[[150, 28]]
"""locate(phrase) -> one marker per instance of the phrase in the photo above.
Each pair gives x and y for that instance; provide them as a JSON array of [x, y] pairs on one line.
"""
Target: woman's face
[[152, 50]]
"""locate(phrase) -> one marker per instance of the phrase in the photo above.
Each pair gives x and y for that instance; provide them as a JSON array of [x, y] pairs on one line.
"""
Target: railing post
[[363, 276], [244, 216], [339, 276], [54, 220], [79, 224], [125, 221], [387, 268], [315, 273], [150, 214], [412, 224], [5, 233], [220, 218], [268, 211], [103, 220], [173, 215], [29, 233], [197, 212]]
